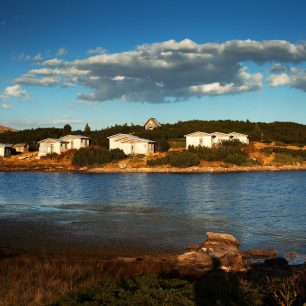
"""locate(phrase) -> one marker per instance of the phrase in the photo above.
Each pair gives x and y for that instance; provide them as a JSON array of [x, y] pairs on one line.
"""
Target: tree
[[67, 128], [87, 129], [257, 133]]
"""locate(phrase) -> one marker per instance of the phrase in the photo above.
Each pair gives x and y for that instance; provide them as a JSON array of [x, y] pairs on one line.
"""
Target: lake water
[[152, 212]]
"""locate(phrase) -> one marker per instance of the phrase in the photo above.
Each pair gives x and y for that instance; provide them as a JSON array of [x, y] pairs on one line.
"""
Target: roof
[[237, 134], [198, 133], [75, 136], [129, 138], [20, 144], [154, 121], [5, 145], [219, 134], [52, 140]]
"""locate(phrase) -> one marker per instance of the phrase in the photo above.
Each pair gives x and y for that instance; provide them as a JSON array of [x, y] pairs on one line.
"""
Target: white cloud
[[61, 52], [57, 122], [97, 50], [5, 106], [14, 91], [27, 57], [276, 80], [294, 77], [53, 62], [171, 70]]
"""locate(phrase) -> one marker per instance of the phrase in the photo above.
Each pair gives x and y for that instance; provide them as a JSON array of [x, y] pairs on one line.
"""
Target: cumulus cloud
[[5, 106], [97, 50], [14, 91], [295, 78], [28, 57], [61, 52], [171, 70]]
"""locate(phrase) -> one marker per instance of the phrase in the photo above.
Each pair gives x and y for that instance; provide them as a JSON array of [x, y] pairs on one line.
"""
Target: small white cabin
[[241, 137], [151, 124], [51, 145], [131, 145], [219, 137], [207, 140], [201, 139], [5, 150], [76, 141]]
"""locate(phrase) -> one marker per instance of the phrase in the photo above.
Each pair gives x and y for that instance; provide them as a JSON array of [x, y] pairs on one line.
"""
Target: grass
[[66, 281], [31, 280]]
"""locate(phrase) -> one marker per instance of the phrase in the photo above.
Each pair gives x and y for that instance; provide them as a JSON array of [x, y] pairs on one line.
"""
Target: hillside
[[4, 129], [280, 132]]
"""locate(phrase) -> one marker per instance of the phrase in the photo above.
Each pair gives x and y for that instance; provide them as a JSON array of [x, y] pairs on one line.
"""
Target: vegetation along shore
[[250, 277], [278, 146]]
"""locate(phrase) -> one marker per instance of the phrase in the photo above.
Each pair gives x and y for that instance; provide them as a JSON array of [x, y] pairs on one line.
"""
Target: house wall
[[242, 139], [218, 139], [48, 148], [5, 151], [132, 148], [76, 143], [203, 141], [22, 149]]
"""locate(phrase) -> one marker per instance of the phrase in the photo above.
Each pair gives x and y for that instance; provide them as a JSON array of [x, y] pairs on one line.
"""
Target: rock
[[220, 238], [193, 247], [261, 253], [219, 251]]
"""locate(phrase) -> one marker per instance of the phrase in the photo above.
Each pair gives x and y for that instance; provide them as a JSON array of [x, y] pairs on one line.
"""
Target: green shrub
[[236, 158], [229, 152], [266, 151], [286, 158], [162, 145], [294, 153], [158, 161], [184, 159], [96, 156], [144, 289]]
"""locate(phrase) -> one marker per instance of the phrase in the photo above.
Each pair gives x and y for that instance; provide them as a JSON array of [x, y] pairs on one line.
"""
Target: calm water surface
[[152, 211]]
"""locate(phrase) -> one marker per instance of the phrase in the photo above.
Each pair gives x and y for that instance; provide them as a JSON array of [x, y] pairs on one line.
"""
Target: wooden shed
[[21, 147]]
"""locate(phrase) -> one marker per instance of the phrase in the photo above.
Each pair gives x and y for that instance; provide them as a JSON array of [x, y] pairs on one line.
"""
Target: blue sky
[[111, 62]]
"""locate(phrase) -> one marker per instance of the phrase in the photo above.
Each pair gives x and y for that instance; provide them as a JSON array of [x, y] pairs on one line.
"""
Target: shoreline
[[106, 169]]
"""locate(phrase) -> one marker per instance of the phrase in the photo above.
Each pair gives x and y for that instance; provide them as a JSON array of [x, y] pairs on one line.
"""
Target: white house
[[51, 145], [209, 140], [76, 141], [241, 137], [201, 139], [5, 150], [219, 137], [131, 144], [151, 124]]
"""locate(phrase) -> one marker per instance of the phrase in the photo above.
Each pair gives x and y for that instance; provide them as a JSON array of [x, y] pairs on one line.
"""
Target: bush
[[236, 158], [162, 145], [286, 158], [230, 152], [294, 153], [184, 159], [144, 289], [158, 161], [96, 156]]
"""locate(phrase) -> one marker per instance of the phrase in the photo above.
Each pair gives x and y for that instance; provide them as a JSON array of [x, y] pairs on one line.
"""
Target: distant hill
[[4, 129]]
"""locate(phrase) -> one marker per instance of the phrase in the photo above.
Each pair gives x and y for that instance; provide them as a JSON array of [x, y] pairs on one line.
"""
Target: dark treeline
[[285, 132]]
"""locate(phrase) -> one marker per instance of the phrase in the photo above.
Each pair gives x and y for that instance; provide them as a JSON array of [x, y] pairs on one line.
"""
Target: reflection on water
[[161, 210]]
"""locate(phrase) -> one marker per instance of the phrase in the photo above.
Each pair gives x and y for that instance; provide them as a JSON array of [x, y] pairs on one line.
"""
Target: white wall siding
[[203, 141]]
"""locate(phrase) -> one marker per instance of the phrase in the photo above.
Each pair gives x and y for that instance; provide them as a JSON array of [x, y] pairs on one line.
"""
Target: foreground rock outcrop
[[221, 251]]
